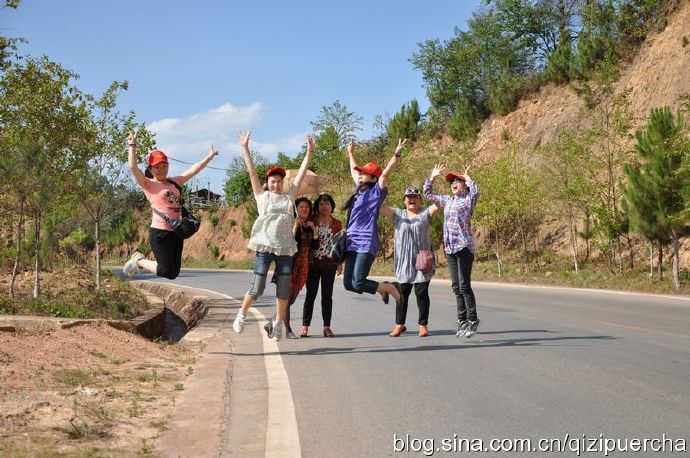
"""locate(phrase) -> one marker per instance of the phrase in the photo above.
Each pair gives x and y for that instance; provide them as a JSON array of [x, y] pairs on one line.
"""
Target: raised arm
[[244, 138], [433, 209], [388, 212], [303, 168], [383, 181], [429, 183], [132, 159], [199, 166], [353, 162], [473, 189]]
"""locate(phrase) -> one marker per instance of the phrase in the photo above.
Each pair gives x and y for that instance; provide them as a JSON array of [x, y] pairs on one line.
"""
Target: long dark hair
[[147, 173]]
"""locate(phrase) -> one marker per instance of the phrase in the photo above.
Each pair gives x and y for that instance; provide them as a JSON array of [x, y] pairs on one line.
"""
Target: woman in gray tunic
[[412, 234]]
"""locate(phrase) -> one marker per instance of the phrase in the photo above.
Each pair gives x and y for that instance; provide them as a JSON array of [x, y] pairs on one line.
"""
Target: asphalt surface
[[577, 368]]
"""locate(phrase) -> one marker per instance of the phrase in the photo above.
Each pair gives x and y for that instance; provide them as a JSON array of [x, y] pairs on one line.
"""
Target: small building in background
[[203, 198]]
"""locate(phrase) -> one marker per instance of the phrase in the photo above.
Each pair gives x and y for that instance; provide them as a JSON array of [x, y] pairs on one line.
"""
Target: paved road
[[548, 363]]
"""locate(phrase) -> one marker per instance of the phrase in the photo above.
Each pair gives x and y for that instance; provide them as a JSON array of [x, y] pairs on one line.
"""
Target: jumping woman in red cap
[[164, 197], [362, 241], [458, 241], [272, 238]]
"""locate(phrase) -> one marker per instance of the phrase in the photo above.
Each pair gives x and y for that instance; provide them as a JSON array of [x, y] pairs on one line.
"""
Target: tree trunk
[[98, 254], [651, 259], [17, 257], [661, 262], [525, 254], [619, 247], [37, 268], [573, 241], [498, 254], [676, 273], [631, 252]]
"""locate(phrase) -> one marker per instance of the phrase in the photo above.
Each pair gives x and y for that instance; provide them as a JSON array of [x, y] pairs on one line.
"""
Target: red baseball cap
[[275, 170], [452, 176], [372, 168], [157, 157]]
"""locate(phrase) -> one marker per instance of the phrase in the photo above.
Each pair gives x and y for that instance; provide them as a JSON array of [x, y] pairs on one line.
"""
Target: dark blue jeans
[[357, 267], [460, 267]]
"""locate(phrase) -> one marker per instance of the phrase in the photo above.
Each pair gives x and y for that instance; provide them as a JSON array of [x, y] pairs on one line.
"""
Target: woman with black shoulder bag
[[164, 195]]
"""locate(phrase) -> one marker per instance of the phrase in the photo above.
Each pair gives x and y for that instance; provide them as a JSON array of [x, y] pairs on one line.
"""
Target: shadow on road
[[465, 345]]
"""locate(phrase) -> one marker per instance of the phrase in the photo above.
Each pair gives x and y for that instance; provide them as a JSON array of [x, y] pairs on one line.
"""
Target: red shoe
[[327, 332], [397, 330], [423, 331], [304, 332]]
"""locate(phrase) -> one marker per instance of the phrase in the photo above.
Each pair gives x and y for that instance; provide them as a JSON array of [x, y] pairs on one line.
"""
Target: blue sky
[[200, 71]]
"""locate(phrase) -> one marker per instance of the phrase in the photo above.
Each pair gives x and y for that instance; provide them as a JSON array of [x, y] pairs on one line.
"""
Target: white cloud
[[188, 139]]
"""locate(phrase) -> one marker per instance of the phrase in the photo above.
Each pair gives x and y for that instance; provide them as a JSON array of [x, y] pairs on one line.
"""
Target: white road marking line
[[282, 433]]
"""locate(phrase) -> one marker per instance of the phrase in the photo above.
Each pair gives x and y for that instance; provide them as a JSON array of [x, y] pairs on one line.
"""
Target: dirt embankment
[[86, 388]]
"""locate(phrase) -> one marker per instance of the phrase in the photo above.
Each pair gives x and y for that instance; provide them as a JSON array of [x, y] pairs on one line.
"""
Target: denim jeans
[[421, 290], [357, 267], [460, 267], [262, 261]]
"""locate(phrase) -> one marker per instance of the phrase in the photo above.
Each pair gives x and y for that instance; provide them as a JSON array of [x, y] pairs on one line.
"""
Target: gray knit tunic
[[411, 235]]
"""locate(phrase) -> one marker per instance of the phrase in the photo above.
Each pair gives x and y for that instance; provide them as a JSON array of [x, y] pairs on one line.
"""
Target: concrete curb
[[190, 309]]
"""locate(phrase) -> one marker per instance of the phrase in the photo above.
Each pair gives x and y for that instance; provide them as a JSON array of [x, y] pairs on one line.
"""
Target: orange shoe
[[397, 330], [423, 331]]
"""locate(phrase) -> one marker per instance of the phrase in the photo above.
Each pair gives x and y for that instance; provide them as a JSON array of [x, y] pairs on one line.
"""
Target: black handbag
[[336, 250], [186, 226]]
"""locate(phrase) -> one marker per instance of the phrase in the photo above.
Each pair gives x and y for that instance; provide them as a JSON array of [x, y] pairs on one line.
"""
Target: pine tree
[[655, 182]]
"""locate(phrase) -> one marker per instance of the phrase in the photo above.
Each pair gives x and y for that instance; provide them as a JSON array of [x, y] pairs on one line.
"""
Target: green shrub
[[213, 251]]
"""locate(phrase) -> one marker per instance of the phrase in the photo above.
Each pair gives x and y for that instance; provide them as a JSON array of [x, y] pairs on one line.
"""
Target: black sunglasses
[[412, 192]]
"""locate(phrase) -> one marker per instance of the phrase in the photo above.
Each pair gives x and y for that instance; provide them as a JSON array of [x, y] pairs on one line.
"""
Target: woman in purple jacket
[[362, 242]]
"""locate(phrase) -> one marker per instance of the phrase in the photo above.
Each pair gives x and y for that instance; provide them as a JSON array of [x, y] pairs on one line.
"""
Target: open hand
[[132, 139], [438, 169], [244, 137]]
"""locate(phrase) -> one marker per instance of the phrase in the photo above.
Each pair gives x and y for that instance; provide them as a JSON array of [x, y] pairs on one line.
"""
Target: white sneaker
[[277, 330], [472, 328], [131, 267], [238, 324]]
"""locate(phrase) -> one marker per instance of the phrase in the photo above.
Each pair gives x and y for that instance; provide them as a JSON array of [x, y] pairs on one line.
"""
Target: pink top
[[165, 198]]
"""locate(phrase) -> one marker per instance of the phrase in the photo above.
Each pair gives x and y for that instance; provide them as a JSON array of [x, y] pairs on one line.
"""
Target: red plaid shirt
[[457, 212]]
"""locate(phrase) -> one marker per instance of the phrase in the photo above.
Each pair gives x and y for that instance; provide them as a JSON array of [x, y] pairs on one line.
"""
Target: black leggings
[[326, 278], [167, 248], [421, 290]]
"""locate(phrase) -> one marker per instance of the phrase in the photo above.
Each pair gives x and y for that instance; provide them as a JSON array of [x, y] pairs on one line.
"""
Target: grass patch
[[160, 425], [554, 270], [72, 377], [115, 300]]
